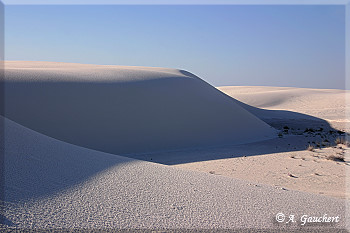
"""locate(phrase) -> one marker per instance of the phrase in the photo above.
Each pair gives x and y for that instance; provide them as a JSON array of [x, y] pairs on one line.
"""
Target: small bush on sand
[[310, 148], [291, 175], [342, 140], [339, 140], [336, 158]]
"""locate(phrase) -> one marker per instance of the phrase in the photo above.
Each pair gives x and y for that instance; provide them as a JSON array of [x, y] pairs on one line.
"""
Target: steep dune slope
[[122, 110]]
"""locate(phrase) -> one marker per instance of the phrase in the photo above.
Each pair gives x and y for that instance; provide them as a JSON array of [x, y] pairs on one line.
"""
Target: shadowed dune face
[[37, 166], [125, 110]]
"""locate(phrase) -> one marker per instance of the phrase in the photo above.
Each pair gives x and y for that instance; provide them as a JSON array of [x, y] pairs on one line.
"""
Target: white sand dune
[[326, 104], [119, 109], [53, 184]]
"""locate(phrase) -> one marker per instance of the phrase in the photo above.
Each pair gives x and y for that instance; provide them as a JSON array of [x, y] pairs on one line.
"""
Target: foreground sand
[[295, 168], [52, 184], [298, 170]]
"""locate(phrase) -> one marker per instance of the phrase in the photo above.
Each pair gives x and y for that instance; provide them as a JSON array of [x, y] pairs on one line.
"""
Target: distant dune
[[326, 104], [120, 109]]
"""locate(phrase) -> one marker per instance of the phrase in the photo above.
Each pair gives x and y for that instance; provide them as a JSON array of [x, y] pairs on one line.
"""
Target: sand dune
[[52, 184], [61, 118], [120, 109], [326, 104]]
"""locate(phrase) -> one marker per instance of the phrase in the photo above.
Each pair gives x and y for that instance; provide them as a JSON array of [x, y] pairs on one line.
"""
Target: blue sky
[[290, 45]]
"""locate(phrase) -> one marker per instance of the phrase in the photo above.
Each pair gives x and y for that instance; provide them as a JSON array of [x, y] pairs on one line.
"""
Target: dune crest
[[121, 110]]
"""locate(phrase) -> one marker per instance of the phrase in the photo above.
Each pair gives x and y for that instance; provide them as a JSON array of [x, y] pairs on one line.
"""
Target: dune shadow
[[4, 222], [295, 132], [38, 166], [281, 118]]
